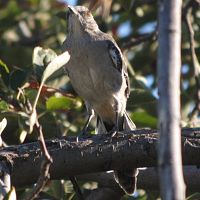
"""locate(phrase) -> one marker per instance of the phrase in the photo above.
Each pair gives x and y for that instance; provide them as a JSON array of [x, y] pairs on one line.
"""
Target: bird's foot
[[115, 132], [82, 135]]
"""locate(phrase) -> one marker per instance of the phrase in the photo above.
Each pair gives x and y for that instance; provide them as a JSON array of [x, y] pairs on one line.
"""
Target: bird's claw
[[83, 134], [113, 133]]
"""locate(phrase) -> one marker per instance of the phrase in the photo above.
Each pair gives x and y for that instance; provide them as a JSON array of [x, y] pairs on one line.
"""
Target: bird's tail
[[128, 124], [126, 177]]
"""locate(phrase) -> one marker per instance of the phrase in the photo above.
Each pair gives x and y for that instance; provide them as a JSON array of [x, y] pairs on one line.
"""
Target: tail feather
[[126, 178], [100, 128], [128, 123]]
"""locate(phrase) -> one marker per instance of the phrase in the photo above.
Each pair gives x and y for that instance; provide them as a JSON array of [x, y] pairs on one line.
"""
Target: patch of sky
[[184, 69], [155, 93], [149, 80], [115, 17], [130, 55], [70, 2], [124, 29], [135, 194], [185, 85], [147, 28]]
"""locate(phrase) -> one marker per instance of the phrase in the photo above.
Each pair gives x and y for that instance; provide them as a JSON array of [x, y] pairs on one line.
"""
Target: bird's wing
[[115, 55], [118, 62]]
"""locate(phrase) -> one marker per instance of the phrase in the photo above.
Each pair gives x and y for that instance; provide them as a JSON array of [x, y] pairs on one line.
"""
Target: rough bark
[[148, 179], [94, 154], [169, 68]]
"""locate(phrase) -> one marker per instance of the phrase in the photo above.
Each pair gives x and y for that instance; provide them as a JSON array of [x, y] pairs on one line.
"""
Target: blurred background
[[25, 24]]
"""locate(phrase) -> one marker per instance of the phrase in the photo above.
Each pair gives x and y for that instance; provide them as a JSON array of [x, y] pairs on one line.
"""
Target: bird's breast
[[96, 80]]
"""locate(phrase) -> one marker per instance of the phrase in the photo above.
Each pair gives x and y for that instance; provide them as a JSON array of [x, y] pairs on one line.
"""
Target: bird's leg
[[99, 125], [83, 132], [85, 128], [116, 127]]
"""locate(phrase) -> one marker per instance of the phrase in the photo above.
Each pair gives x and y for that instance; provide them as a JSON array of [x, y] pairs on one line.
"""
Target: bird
[[98, 73]]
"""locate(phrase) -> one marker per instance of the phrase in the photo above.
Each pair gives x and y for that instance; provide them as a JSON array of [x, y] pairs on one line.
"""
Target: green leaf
[[41, 58], [143, 119], [55, 65], [4, 105], [4, 72], [194, 196], [142, 98], [60, 103], [4, 66]]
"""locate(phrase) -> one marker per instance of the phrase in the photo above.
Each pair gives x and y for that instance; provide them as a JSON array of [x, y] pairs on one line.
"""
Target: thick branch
[[148, 179], [94, 154], [169, 68]]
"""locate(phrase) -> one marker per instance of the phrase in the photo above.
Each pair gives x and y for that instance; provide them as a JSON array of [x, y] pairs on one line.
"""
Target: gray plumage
[[98, 74]]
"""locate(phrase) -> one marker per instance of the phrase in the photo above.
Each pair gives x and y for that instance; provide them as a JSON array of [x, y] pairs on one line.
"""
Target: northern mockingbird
[[99, 75]]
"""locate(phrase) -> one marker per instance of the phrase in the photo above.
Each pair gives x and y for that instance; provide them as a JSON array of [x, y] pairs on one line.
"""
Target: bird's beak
[[72, 10]]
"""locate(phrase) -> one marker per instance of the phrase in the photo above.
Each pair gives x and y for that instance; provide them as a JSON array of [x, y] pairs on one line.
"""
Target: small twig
[[189, 4], [45, 166], [47, 90], [76, 188], [136, 41], [42, 143], [187, 11]]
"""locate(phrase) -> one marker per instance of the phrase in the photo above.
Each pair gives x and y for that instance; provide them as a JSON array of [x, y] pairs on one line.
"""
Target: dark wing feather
[[115, 55], [119, 63]]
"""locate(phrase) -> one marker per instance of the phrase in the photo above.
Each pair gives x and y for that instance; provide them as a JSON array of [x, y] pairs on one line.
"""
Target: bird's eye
[[86, 14]]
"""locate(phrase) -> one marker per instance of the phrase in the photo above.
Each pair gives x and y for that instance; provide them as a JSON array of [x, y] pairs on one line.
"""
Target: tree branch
[[95, 154], [169, 70], [148, 179], [142, 38]]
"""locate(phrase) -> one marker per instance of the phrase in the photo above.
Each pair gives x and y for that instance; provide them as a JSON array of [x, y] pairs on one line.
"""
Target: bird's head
[[80, 19]]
